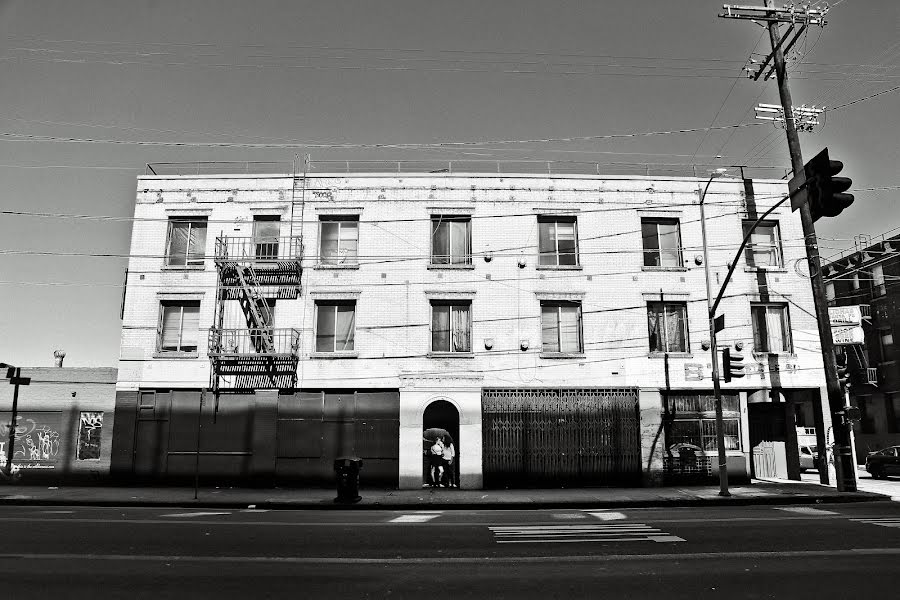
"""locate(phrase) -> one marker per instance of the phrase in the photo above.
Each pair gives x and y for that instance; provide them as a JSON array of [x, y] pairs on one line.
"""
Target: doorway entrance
[[439, 416]]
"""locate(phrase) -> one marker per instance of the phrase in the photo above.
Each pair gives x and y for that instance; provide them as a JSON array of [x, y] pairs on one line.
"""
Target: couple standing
[[441, 455]]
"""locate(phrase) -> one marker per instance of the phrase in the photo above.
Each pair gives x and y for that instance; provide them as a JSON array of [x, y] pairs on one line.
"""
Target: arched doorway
[[440, 414]]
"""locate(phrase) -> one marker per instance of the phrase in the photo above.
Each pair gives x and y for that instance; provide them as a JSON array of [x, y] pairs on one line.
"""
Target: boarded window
[[90, 430]]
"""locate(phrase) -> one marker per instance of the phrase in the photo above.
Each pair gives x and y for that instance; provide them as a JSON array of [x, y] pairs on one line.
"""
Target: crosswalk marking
[[607, 532], [423, 517], [196, 514], [806, 510], [884, 521], [608, 516]]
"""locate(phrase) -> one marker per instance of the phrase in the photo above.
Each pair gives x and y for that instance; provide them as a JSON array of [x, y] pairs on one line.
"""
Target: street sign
[[847, 336], [844, 315]]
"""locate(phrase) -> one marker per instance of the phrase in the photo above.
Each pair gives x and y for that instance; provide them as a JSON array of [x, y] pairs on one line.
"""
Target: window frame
[[160, 331], [342, 223], [437, 220], [703, 416], [556, 220], [270, 244], [559, 305], [678, 250], [665, 305], [199, 260], [334, 304], [451, 305], [750, 249], [787, 338]]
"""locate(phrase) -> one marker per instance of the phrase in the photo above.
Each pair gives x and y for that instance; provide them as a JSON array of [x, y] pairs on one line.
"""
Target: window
[[451, 240], [668, 326], [186, 245], [339, 241], [179, 326], [90, 428], [887, 344], [451, 326], [691, 422], [764, 247], [557, 241], [662, 242], [266, 231], [561, 327], [878, 280], [771, 329], [335, 326]]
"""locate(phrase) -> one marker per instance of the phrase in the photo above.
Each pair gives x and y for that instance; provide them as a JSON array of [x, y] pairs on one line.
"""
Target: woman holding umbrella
[[438, 447]]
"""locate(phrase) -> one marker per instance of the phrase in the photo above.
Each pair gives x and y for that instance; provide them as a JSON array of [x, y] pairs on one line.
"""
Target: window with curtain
[[339, 241], [451, 326], [266, 231], [335, 326], [561, 327], [771, 329], [187, 242], [557, 241], [668, 326], [764, 246], [179, 326], [662, 242], [451, 240]]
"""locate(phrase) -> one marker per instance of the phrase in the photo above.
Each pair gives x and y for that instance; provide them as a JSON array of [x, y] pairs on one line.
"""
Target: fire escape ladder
[[256, 310]]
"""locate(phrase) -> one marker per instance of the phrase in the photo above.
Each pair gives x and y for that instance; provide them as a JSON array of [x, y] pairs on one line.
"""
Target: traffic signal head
[[825, 193], [732, 365], [843, 371]]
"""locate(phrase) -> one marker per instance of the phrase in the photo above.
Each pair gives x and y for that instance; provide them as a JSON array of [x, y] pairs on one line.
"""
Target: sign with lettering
[[37, 437], [846, 336], [844, 315]]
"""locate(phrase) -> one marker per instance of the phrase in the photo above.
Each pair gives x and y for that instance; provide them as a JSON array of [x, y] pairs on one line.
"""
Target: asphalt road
[[821, 551]]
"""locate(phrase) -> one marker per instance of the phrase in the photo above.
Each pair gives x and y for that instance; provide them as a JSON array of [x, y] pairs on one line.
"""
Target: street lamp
[[720, 425], [14, 374]]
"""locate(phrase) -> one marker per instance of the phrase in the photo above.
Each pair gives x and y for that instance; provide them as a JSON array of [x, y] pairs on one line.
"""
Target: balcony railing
[[871, 375], [254, 342], [258, 250]]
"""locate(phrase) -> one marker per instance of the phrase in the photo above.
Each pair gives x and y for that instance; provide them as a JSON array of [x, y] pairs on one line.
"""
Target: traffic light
[[732, 365], [843, 371], [825, 193]]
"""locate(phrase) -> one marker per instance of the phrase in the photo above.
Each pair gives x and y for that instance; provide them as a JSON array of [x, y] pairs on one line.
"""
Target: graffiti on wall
[[37, 440], [90, 427]]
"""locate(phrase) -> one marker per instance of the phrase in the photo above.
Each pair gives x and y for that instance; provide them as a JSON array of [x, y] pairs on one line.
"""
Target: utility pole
[[844, 467]]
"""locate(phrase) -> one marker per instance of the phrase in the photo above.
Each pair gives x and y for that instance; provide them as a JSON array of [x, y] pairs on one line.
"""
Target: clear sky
[[362, 72]]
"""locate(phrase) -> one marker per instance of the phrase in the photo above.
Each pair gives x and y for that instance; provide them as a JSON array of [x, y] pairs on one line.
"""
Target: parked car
[[809, 458], [884, 462]]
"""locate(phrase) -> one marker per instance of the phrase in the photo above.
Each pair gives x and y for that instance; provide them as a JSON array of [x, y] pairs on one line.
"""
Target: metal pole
[[846, 470], [12, 424], [714, 353]]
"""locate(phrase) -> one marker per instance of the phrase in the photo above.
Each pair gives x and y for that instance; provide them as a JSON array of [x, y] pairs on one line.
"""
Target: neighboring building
[[552, 324], [870, 277], [64, 423]]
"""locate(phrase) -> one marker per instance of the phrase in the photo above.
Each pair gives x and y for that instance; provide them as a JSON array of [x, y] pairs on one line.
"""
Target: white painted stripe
[[653, 538], [584, 558], [58, 512], [609, 516], [195, 514], [578, 531], [805, 510], [413, 518]]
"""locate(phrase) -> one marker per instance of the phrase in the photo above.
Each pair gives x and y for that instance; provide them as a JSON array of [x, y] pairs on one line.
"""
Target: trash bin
[[347, 470]]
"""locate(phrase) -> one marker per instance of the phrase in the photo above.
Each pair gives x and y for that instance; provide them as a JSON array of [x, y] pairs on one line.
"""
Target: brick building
[[551, 324], [868, 277], [64, 423]]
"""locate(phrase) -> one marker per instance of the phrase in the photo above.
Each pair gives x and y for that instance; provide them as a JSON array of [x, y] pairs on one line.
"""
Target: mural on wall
[[37, 440]]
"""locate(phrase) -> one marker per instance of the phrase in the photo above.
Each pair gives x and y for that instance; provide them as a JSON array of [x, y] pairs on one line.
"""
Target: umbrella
[[433, 434]]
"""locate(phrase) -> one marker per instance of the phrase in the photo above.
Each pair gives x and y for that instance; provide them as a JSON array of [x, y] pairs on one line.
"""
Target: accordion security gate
[[561, 437]]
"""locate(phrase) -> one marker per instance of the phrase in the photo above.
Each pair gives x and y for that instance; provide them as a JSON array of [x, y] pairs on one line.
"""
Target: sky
[[92, 91]]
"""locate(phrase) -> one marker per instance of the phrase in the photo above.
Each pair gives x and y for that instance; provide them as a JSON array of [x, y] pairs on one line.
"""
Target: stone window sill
[[334, 355], [184, 267], [765, 269], [451, 355], [327, 266], [557, 355], [648, 268], [670, 355], [559, 268], [457, 267], [176, 355]]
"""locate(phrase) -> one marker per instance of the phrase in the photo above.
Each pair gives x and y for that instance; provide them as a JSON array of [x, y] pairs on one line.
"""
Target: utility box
[[347, 469]]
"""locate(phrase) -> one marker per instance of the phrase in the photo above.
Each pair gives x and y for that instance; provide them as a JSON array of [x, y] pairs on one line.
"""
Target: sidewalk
[[759, 492]]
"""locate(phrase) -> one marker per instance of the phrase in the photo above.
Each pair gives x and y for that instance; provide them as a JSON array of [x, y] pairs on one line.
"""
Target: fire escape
[[255, 271]]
